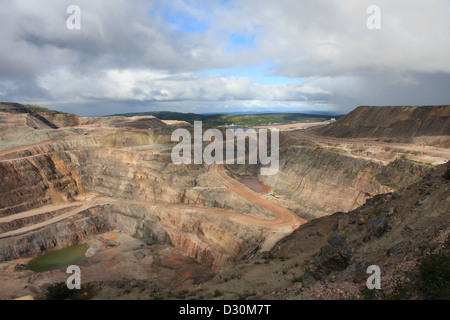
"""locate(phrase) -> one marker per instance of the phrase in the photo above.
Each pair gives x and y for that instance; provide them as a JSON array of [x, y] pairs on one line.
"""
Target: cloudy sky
[[224, 55]]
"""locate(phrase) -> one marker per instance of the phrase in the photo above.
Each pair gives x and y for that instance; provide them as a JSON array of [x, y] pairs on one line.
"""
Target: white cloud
[[153, 85]]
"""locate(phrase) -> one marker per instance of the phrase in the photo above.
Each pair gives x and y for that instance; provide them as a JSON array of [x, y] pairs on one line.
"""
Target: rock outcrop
[[333, 257]]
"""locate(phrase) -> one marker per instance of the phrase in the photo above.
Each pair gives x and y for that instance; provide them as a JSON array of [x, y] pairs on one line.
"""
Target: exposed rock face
[[34, 182], [219, 197], [59, 171], [64, 234], [200, 237], [211, 239], [42, 118], [392, 122], [121, 167], [333, 257], [321, 182], [58, 119], [22, 117]]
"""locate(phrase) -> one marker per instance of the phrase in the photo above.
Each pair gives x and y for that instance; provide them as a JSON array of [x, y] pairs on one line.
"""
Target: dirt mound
[[14, 114], [36, 117], [391, 122], [144, 122]]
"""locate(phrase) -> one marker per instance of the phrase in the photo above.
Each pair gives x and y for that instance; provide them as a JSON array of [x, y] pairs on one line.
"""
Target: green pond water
[[58, 259]]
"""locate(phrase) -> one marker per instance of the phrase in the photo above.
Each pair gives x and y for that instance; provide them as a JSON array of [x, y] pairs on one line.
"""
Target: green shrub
[[59, 291], [181, 295], [245, 295], [297, 279], [368, 294], [434, 283]]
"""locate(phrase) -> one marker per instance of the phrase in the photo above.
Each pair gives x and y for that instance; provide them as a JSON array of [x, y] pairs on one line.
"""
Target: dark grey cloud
[[384, 90]]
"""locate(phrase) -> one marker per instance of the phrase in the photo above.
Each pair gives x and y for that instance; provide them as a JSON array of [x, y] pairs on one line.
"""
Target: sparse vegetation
[[368, 294], [420, 163], [59, 291], [246, 294], [432, 282], [181, 295], [217, 293], [155, 296], [269, 256], [297, 279]]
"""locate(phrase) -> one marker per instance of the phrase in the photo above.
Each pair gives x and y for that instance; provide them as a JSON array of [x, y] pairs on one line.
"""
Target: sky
[[210, 56]]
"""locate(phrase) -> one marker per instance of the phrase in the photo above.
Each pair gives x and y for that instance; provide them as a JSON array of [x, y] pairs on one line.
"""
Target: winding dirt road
[[285, 221], [283, 224], [283, 217]]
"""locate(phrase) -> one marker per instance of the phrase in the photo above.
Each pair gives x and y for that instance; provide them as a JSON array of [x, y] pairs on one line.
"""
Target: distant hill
[[401, 121], [236, 119], [393, 122], [137, 122], [15, 114], [59, 119]]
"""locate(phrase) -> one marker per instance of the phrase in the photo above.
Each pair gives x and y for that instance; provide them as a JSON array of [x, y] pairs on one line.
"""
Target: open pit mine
[[103, 194]]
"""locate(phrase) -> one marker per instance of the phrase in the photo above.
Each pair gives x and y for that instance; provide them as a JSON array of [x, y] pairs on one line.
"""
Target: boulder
[[333, 257], [379, 226], [361, 271]]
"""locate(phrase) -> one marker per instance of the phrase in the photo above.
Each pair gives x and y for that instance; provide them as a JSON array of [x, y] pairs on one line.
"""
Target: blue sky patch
[[241, 41], [185, 22], [181, 21]]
